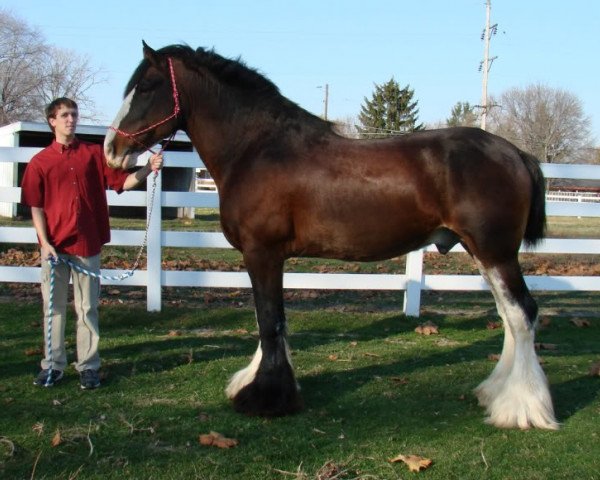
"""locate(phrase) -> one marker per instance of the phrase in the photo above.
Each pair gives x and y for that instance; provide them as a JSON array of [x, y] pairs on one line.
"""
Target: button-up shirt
[[69, 183]]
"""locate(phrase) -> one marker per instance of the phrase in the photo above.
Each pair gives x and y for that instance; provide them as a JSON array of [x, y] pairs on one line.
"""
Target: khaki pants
[[86, 291]]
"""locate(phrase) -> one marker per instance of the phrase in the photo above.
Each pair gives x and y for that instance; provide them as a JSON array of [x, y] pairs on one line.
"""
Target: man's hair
[[54, 106]]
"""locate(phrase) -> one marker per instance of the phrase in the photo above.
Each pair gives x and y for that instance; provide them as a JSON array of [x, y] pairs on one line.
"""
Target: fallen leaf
[[595, 370], [31, 352], [332, 357], [203, 417], [400, 380], [215, 439], [427, 328], [545, 322], [174, 333], [57, 439], [38, 428], [329, 471], [545, 346], [580, 322], [374, 355], [494, 325], [415, 462], [494, 357]]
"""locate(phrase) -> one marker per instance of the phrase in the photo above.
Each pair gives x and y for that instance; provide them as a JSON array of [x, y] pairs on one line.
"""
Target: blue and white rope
[[49, 333]]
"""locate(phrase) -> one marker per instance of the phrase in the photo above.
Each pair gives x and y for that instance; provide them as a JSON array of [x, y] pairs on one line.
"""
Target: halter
[[175, 114]]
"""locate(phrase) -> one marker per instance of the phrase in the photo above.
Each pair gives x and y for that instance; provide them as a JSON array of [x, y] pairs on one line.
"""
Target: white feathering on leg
[[245, 376], [523, 399]]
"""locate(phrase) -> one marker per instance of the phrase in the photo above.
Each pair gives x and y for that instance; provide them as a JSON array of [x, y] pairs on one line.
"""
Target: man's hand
[[48, 252], [156, 162]]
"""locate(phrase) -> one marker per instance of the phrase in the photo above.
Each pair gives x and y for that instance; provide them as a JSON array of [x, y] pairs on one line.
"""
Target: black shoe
[[47, 379], [89, 379]]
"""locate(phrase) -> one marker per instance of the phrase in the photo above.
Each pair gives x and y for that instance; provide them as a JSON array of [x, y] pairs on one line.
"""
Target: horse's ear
[[149, 53]]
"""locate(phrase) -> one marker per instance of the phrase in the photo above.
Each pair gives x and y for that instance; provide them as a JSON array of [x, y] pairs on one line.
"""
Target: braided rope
[[49, 333]]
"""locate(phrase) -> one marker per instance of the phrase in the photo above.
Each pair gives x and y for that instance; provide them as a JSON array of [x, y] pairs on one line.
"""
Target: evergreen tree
[[463, 114], [391, 111]]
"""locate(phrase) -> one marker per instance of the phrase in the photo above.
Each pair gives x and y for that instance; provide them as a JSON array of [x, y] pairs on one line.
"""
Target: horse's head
[[149, 112]]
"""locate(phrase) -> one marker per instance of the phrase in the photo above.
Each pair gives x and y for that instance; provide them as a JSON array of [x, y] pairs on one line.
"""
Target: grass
[[373, 389]]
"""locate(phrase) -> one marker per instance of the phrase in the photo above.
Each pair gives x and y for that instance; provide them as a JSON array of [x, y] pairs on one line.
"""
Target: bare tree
[[32, 73], [347, 127], [68, 74], [21, 50], [547, 122]]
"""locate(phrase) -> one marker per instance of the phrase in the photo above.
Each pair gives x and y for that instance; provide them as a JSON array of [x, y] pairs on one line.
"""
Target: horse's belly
[[357, 242]]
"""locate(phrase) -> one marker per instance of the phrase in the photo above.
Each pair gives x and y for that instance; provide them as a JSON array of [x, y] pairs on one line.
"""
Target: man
[[65, 186]]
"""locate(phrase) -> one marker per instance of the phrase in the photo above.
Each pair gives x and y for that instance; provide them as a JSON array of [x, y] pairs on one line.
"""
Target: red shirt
[[69, 182]]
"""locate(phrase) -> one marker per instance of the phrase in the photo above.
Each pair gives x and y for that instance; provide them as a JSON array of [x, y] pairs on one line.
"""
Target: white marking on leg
[[489, 389], [113, 161], [245, 376], [521, 398]]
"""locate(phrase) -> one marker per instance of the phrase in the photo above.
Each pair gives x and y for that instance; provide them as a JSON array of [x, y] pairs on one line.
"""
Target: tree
[[21, 50], [347, 127], [68, 74], [32, 73], [546, 122], [463, 114], [391, 111]]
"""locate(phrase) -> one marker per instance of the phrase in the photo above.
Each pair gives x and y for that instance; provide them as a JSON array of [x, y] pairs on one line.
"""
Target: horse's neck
[[223, 137], [222, 140]]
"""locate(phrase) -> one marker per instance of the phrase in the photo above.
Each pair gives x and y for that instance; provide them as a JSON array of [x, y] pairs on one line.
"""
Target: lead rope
[[54, 261]]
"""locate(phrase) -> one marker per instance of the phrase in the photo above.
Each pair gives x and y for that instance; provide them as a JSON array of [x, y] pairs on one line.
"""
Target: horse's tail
[[535, 230]]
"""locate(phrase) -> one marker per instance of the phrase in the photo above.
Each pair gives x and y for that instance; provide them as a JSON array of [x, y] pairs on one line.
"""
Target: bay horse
[[290, 186]]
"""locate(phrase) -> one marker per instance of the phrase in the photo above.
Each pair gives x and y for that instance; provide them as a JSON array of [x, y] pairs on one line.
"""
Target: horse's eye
[[145, 86]]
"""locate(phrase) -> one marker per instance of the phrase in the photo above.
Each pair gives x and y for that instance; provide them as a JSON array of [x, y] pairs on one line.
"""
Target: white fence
[[413, 282], [568, 196]]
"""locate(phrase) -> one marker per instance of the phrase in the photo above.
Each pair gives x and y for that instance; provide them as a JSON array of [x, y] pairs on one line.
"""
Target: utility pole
[[326, 101], [487, 61]]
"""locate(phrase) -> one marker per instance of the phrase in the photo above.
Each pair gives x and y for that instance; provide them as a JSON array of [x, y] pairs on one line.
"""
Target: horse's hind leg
[[490, 388], [267, 386], [516, 394]]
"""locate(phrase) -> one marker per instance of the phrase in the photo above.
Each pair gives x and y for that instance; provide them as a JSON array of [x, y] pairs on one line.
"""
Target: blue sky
[[432, 45]]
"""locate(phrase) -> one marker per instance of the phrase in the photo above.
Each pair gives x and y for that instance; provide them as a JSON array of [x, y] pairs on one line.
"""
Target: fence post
[[414, 279], [154, 273]]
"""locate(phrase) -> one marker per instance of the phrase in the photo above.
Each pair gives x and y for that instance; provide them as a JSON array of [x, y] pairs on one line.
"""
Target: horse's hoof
[[260, 398]]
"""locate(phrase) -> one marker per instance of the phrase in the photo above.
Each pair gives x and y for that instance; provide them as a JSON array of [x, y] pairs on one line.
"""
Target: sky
[[434, 46]]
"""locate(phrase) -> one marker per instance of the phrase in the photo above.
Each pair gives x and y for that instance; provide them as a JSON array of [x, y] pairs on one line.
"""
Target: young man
[[65, 186]]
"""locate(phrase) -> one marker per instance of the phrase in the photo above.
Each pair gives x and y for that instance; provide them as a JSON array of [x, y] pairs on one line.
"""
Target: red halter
[[176, 111]]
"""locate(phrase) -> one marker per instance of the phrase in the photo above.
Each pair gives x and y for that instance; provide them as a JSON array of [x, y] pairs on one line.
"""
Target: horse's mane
[[220, 70], [233, 72]]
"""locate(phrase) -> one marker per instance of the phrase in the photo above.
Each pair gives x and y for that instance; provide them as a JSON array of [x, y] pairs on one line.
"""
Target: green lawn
[[373, 389]]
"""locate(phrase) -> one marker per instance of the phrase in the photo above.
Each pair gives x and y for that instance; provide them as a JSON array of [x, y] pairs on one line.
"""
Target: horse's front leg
[[267, 386]]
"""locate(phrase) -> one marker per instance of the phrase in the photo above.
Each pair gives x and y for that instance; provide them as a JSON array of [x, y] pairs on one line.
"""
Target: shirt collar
[[60, 148]]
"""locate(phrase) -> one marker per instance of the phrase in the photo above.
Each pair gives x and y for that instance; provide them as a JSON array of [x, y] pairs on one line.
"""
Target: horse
[[290, 186]]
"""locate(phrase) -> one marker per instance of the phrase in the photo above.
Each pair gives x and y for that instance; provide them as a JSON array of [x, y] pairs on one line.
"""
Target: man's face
[[65, 121]]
